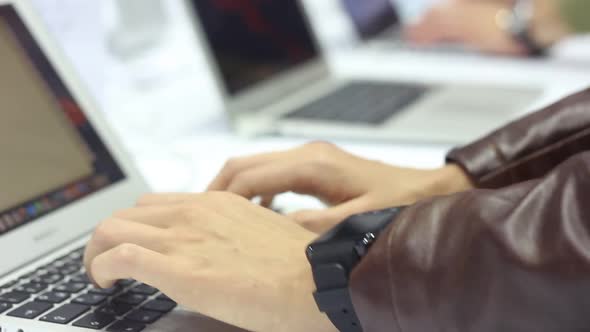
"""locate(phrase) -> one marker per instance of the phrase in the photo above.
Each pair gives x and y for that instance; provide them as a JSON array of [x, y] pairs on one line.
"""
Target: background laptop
[[274, 80], [62, 172]]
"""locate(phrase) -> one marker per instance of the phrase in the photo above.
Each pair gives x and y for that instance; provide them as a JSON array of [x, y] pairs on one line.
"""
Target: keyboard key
[[65, 314], [89, 299], [130, 298], [47, 270], [164, 297], [53, 297], [77, 254], [159, 305], [82, 277], [125, 282], [95, 321], [69, 269], [14, 297], [104, 291], [30, 310], [143, 289], [59, 264], [115, 309], [31, 287], [28, 275], [144, 316], [71, 287], [126, 326], [48, 279], [4, 306]]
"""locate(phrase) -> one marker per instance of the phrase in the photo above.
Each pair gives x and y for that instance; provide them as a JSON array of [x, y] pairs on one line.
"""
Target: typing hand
[[347, 183], [469, 22], [215, 253]]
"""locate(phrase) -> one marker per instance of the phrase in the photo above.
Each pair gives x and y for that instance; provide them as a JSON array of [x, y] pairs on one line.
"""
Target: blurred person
[[496, 240], [510, 27]]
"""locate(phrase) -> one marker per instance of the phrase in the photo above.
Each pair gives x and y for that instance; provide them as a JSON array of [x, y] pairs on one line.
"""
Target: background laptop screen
[[254, 40], [51, 155], [371, 17]]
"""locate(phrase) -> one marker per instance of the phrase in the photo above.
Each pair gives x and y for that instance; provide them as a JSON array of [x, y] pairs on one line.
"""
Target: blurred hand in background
[[481, 25]]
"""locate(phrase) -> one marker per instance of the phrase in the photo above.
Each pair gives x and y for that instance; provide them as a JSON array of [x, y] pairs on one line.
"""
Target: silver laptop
[[274, 80], [62, 171]]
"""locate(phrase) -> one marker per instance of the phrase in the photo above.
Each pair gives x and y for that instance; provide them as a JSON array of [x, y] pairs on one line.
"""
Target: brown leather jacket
[[513, 256]]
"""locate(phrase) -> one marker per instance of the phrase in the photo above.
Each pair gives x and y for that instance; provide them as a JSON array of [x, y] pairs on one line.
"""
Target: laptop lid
[[62, 171], [371, 17], [259, 51]]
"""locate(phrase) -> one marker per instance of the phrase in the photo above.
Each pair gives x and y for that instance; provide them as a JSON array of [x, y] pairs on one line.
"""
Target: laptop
[[62, 172], [378, 24], [275, 81]]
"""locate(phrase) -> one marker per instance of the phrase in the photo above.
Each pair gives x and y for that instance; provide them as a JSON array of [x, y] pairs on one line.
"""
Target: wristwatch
[[518, 23], [334, 255]]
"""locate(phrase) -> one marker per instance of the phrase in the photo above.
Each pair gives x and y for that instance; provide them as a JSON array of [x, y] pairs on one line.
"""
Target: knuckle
[[103, 233], [126, 253], [319, 144], [222, 196]]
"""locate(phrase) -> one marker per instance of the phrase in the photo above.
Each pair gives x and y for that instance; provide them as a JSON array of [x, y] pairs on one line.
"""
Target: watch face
[[349, 240]]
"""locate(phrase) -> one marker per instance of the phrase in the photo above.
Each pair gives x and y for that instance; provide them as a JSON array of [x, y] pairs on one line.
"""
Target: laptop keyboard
[[361, 103], [61, 293]]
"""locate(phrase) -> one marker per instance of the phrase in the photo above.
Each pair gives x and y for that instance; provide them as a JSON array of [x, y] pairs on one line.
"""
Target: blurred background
[[147, 65]]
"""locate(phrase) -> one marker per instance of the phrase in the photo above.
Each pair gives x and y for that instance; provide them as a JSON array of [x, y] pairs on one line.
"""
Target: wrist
[[450, 179], [301, 313], [547, 26]]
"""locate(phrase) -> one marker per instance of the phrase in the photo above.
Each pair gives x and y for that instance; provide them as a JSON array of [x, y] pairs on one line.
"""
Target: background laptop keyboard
[[60, 293], [361, 103]]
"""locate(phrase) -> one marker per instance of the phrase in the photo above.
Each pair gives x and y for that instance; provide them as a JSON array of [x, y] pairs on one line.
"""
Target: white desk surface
[[175, 128]]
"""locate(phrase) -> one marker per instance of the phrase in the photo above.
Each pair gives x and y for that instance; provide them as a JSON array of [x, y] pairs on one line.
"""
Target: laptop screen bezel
[[261, 95], [70, 223]]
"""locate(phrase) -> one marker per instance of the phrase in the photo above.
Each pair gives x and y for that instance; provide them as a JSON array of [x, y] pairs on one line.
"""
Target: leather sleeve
[[530, 147], [513, 259]]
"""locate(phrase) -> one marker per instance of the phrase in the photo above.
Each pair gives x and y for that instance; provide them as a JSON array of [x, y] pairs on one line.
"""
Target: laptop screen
[[371, 17], [50, 154], [253, 41]]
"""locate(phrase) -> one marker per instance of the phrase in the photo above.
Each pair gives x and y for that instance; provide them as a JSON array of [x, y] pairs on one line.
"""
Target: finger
[[273, 179], [130, 261], [113, 232], [320, 221], [165, 199], [236, 165]]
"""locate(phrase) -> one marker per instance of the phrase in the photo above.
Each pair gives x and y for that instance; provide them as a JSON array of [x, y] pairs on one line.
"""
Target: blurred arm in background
[[480, 24]]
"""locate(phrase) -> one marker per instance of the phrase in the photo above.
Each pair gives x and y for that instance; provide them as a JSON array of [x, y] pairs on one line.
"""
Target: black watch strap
[[333, 257], [336, 303]]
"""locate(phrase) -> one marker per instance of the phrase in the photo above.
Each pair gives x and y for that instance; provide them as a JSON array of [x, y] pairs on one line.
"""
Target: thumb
[[320, 221]]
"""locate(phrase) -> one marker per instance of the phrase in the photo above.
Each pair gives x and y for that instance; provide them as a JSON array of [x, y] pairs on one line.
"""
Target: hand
[[469, 22], [349, 184], [214, 253]]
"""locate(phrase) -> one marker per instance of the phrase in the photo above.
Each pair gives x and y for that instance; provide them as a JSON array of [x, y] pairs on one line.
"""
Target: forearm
[[515, 259], [530, 147]]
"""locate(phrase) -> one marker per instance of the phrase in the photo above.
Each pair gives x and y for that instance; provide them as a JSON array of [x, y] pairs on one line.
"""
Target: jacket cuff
[[529, 147]]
